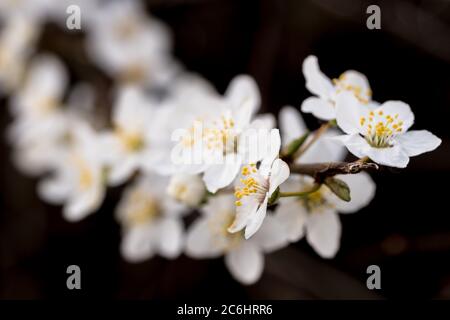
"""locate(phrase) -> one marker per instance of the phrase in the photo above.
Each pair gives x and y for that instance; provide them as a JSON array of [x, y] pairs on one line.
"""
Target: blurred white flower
[[130, 45], [41, 124], [78, 180], [324, 149], [186, 188], [28, 9], [17, 40], [255, 186], [382, 133], [316, 214], [322, 105], [224, 136], [150, 220], [43, 89], [138, 140], [208, 238]]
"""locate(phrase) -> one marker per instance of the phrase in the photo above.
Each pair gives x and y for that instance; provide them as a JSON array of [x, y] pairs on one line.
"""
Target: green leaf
[[294, 145], [339, 188]]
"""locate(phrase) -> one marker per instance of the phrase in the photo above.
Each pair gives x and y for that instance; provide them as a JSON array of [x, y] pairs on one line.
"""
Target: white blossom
[[129, 45], [187, 188], [138, 139], [208, 238], [382, 133], [150, 220], [255, 186], [322, 105], [78, 180]]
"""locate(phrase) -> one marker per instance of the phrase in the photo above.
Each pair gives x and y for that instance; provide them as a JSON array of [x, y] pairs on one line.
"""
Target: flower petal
[[292, 216], [320, 108], [170, 237], [316, 82], [362, 191], [323, 233], [402, 109], [244, 97], [271, 236], [137, 243], [255, 221], [291, 124], [200, 241], [391, 157], [245, 263], [348, 112], [218, 176], [418, 141], [279, 174], [356, 144]]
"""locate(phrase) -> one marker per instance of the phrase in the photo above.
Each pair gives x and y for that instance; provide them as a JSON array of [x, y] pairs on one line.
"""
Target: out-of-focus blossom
[[382, 133], [208, 238], [292, 127], [255, 186], [28, 9], [322, 105], [131, 46], [41, 124], [187, 188], [150, 220], [78, 180], [316, 214], [138, 140], [224, 135], [17, 39]]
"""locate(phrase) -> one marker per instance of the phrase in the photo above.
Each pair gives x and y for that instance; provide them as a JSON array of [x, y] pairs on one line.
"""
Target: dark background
[[405, 230]]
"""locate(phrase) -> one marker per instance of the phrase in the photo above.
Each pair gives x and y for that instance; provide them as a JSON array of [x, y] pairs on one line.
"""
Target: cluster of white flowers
[[189, 147]]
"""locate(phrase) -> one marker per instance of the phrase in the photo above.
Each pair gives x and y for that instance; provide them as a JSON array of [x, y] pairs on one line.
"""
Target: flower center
[[142, 208], [316, 202], [218, 135], [46, 104], [85, 175], [252, 185], [341, 84], [131, 141], [380, 128]]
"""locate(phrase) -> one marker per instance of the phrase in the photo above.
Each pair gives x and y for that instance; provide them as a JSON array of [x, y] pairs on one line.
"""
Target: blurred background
[[406, 228]]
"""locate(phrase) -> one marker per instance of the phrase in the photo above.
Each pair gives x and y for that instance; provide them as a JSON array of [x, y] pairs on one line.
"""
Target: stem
[[301, 193], [317, 134], [320, 171]]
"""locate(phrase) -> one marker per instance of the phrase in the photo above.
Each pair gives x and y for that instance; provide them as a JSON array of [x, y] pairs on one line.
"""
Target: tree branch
[[320, 171]]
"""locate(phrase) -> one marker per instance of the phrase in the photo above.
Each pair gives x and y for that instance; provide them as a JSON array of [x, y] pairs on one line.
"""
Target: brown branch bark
[[320, 171]]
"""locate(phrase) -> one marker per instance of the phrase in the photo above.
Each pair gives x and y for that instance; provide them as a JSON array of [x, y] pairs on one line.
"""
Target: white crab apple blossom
[[129, 45], [187, 188], [224, 135], [138, 140], [382, 133], [208, 238], [316, 214], [78, 180], [256, 185], [322, 105], [151, 221]]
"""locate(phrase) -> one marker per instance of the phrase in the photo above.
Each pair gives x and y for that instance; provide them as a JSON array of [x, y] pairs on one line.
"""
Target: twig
[[319, 171], [317, 134]]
